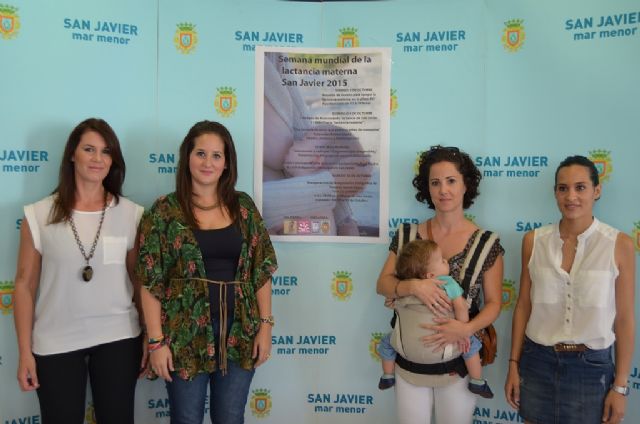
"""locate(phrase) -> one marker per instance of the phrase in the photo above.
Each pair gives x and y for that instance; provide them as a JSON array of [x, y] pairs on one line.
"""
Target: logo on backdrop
[[602, 160], [186, 37], [416, 163], [436, 41], [394, 223], [508, 294], [29, 419], [6, 296], [636, 235], [260, 403], [341, 285], [160, 407], [373, 345], [304, 344], [516, 166], [513, 35], [251, 38], [283, 285], [90, 414], [393, 102], [606, 26], [166, 162], [101, 31], [23, 161], [499, 416], [348, 37], [226, 101], [340, 403], [634, 378], [9, 21]]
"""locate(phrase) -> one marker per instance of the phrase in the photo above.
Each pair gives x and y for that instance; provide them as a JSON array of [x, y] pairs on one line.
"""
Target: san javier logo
[[90, 414], [393, 102], [6, 297], [636, 235], [344, 403], [260, 403], [23, 161], [513, 35], [348, 37], [342, 286], [373, 345], [416, 163], [164, 161], [282, 285], [186, 37], [30, 419], [509, 295], [9, 21], [602, 160], [226, 101]]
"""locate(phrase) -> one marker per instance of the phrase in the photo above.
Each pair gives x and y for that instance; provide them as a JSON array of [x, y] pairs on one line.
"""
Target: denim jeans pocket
[[597, 358]]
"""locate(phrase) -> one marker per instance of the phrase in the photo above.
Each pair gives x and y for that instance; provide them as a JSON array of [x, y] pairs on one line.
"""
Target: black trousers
[[113, 370]]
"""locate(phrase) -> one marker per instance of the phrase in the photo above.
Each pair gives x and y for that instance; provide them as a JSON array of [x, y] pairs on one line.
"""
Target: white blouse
[[72, 314], [579, 306]]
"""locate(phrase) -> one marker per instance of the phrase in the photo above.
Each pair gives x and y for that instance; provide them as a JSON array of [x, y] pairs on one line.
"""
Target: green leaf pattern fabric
[[170, 266]]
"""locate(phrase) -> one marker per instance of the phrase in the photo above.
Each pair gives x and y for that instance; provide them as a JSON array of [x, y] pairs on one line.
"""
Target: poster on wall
[[322, 143]]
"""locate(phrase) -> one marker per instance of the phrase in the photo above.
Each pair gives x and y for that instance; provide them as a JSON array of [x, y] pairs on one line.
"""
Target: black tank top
[[220, 252]]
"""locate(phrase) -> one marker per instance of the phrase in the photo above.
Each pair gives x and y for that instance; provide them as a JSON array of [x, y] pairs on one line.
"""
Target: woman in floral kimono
[[206, 263]]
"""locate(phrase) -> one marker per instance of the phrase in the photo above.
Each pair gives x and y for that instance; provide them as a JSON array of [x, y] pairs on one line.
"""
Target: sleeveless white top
[[72, 314], [579, 306]]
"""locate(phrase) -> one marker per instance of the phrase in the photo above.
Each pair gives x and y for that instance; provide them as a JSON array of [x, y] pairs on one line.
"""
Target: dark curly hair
[[464, 165], [581, 161]]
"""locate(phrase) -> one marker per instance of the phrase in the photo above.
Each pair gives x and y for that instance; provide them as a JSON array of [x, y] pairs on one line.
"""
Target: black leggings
[[113, 370]]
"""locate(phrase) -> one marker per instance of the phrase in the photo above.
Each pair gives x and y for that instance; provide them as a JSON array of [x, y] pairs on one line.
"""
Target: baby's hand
[[389, 303], [464, 345]]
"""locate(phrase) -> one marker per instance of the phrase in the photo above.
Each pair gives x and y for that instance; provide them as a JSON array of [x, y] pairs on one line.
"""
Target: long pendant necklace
[[87, 271]]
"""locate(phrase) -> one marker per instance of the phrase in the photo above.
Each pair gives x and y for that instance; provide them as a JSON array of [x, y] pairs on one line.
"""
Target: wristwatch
[[623, 390], [269, 320]]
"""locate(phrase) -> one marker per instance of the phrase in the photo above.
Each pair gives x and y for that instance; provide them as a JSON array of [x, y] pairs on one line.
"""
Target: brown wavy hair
[[226, 187], [413, 260], [66, 190]]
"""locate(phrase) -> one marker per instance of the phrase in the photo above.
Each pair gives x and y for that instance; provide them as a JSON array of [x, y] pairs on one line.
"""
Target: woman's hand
[[161, 362], [262, 345], [512, 386], [430, 292], [614, 406], [447, 331], [27, 377]]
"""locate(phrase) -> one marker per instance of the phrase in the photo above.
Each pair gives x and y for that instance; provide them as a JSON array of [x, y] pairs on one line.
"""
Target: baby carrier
[[410, 313]]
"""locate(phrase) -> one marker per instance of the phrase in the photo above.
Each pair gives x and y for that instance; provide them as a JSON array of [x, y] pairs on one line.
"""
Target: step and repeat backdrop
[[518, 85]]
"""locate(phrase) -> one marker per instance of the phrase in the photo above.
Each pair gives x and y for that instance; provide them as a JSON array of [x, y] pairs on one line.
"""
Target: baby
[[423, 259]]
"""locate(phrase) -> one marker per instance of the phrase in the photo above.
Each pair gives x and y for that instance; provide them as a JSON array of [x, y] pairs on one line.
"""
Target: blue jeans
[[385, 350], [563, 387], [474, 347], [228, 396]]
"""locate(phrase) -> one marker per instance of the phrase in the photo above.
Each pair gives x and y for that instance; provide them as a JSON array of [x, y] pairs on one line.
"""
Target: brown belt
[[569, 347]]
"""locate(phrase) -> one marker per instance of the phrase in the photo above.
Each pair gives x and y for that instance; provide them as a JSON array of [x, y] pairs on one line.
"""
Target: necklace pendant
[[87, 273]]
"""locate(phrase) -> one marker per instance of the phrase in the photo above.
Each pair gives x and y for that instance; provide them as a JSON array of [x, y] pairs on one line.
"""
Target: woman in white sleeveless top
[[74, 311], [576, 301]]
